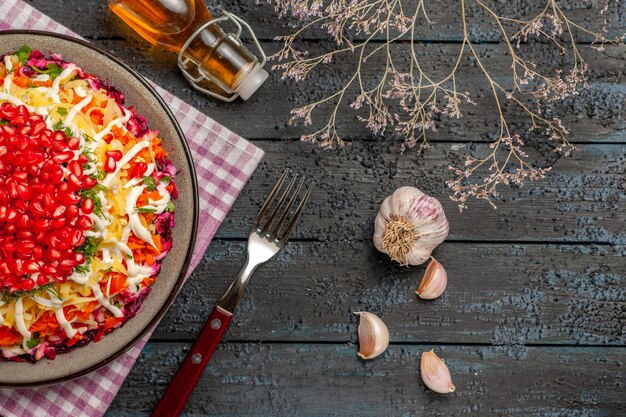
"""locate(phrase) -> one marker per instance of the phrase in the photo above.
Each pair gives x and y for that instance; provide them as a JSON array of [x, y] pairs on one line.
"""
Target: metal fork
[[267, 238]]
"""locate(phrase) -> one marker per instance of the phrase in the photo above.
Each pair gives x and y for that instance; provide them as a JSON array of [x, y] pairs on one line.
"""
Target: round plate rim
[[194, 181]]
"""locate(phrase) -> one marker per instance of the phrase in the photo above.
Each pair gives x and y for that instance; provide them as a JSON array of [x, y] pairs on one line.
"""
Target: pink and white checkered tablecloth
[[224, 162]]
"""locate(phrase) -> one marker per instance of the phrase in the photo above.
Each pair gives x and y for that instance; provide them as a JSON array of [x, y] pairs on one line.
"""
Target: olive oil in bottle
[[188, 28]]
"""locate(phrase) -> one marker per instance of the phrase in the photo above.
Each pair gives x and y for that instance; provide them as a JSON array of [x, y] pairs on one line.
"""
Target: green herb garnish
[[58, 125], [88, 138], [68, 132], [166, 179], [31, 343], [12, 296], [145, 210], [81, 269], [53, 70], [150, 183], [62, 111], [89, 249], [170, 206], [23, 53]]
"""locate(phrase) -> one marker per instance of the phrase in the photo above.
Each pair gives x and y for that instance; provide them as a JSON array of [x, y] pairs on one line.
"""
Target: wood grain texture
[[582, 200], [329, 380], [502, 294], [595, 115], [446, 24], [532, 323]]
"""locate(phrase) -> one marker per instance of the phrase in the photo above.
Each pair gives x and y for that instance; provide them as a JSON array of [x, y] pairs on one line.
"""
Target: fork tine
[[296, 216], [278, 207], [287, 210], [269, 199]]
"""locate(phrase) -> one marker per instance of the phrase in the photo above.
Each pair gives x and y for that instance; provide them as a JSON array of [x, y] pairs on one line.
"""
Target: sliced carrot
[[112, 322], [46, 325], [78, 336], [118, 283], [8, 336]]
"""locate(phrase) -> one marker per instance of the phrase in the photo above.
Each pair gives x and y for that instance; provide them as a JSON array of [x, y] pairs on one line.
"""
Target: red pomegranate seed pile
[[41, 223]]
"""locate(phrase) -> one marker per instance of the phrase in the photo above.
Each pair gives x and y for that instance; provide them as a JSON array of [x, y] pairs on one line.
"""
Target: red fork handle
[[186, 378]]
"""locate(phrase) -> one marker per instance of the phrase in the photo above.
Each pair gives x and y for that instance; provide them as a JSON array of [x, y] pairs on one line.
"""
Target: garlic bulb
[[434, 281], [373, 335], [435, 373], [409, 225]]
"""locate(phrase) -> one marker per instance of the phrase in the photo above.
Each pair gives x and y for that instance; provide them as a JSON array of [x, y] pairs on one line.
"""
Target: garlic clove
[[373, 335], [434, 281], [435, 373]]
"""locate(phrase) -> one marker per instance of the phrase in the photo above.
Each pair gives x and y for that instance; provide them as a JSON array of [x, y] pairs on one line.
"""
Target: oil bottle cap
[[252, 81]]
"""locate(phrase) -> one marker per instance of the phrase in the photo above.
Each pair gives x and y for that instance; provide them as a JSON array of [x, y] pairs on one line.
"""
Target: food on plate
[[86, 207]]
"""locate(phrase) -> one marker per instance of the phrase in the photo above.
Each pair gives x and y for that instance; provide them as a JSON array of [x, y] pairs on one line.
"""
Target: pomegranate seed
[[138, 170], [56, 174], [84, 223], [25, 246], [25, 234], [57, 223], [42, 224], [87, 206], [37, 253], [74, 183], [73, 143], [23, 110], [88, 182], [49, 269], [75, 168], [31, 266], [11, 215], [53, 255], [24, 192], [79, 258], [38, 127], [76, 238], [17, 266], [70, 199], [28, 284], [60, 279], [23, 222], [63, 156], [68, 263], [8, 248], [21, 206], [116, 155], [82, 159], [72, 212], [36, 209], [109, 164], [58, 212]]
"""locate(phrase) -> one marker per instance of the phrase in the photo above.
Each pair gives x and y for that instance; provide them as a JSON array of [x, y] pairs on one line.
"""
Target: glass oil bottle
[[222, 66]]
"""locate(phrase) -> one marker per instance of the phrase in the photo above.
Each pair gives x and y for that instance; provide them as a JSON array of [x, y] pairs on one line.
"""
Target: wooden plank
[[329, 380], [446, 24], [582, 200], [595, 115], [497, 293]]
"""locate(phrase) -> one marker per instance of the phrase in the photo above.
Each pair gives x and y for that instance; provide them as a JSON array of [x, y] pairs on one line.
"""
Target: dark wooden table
[[533, 321]]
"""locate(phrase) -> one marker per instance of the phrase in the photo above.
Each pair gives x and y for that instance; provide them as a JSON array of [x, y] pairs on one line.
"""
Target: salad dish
[[86, 206], [98, 208]]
